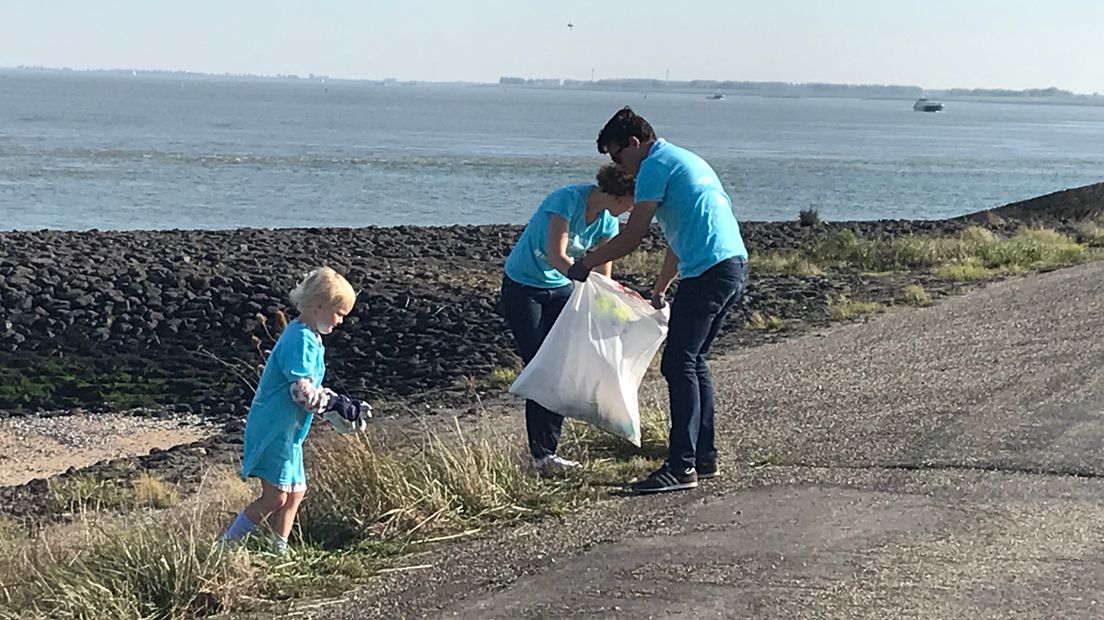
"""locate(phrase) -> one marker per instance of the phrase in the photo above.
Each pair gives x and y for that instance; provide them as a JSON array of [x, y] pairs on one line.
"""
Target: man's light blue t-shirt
[[694, 211], [276, 426], [528, 262]]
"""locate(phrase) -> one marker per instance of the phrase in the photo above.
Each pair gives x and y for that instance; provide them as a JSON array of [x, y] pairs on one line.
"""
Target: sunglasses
[[616, 155]]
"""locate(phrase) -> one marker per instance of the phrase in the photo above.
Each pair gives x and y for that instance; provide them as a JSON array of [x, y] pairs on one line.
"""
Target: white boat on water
[[927, 105], [716, 96]]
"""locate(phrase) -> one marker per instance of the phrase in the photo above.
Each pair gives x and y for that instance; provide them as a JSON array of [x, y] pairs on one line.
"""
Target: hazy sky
[[929, 43]]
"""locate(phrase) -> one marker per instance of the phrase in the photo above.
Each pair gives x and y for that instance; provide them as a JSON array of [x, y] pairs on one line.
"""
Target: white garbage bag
[[592, 362]]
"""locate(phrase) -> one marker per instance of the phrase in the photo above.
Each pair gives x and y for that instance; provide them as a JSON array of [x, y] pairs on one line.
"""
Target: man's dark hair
[[624, 125], [616, 180]]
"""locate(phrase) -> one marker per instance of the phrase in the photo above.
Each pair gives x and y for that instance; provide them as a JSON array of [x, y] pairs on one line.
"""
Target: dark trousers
[[530, 312], [697, 313]]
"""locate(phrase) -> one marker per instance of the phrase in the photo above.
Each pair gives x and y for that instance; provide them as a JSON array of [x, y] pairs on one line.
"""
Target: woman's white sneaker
[[555, 464]]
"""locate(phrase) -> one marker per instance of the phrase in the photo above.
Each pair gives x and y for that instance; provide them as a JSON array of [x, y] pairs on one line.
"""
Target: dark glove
[[350, 409], [578, 271], [659, 301]]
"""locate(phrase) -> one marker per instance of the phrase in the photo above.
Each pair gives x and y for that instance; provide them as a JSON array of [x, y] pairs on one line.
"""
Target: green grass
[[1090, 232], [153, 492], [1028, 249], [769, 322], [641, 262], [784, 263], [372, 488], [915, 295], [841, 307], [369, 488], [28, 380], [14, 542], [966, 271], [144, 572], [89, 493], [159, 572], [611, 460], [586, 441], [1032, 249], [973, 253], [502, 377], [165, 564], [145, 564], [846, 249]]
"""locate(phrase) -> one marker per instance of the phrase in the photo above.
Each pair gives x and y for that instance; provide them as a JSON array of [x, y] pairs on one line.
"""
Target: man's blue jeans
[[697, 313]]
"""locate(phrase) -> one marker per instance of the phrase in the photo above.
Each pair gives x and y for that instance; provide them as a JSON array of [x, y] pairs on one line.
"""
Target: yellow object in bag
[[593, 360]]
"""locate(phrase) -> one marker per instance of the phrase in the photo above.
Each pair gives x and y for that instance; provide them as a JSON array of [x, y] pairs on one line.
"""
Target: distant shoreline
[[780, 90], [1077, 100]]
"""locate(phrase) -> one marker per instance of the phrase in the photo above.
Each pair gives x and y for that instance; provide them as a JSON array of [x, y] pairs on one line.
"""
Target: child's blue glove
[[347, 415], [348, 408]]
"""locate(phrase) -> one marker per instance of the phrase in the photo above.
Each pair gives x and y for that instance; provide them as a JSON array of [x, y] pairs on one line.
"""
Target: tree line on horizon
[[792, 88]]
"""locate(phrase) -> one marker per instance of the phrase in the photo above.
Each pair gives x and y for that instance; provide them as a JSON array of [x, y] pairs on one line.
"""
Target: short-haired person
[[706, 251]]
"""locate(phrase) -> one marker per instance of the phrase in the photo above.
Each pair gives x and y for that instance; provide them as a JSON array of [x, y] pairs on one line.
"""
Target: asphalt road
[[930, 463]]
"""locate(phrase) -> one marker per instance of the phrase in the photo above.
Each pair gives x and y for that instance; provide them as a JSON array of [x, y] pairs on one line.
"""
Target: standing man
[[705, 249]]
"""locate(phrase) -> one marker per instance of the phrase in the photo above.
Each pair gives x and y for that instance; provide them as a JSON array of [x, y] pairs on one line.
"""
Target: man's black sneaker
[[663, 480], [707, 470]]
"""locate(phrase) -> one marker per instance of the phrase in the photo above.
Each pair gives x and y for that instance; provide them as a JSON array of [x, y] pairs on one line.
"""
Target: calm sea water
[[95, 151]]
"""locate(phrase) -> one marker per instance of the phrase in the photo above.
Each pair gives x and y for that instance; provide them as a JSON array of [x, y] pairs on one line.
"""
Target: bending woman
[[535, 287]]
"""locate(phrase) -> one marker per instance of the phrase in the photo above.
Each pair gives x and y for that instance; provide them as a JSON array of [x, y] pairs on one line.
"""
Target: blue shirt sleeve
[[559, 203], [298, 357], [651, 181]]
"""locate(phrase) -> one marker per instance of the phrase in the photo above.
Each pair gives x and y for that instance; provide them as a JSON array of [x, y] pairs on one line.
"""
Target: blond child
[[288, 396]]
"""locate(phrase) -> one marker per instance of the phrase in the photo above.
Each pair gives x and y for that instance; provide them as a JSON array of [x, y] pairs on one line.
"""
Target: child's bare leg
[[272, 499], [283, 519]]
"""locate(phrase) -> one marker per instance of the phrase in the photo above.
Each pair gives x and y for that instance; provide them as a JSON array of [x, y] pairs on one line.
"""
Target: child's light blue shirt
[[276, 426]]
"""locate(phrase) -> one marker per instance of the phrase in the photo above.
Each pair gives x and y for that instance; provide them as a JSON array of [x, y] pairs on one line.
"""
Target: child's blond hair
[[326, 287]]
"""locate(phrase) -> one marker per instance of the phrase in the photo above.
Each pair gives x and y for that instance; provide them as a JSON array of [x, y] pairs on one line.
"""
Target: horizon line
[[323, 77]]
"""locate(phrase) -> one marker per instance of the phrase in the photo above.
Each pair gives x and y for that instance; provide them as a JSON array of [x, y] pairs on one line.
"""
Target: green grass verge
[[374, 497], [366, 489], [974, 253], [915, 295], [769, 322], [784, 263], [965, 271], [1090, 232], [88, 493], [842, 307]]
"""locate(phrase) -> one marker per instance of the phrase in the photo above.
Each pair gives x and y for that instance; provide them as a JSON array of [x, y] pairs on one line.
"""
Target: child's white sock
[[278, 544], [240, 528]]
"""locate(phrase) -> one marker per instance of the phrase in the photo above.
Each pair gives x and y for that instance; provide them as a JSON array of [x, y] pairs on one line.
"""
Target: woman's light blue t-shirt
[[528, 262], [276, 426], [694, 211]]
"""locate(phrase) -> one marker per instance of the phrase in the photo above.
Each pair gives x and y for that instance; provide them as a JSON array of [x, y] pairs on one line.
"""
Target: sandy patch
[[34, 447]]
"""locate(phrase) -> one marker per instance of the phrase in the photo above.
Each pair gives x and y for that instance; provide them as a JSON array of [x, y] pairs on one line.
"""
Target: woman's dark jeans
[[530, 312], [697, 313]]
